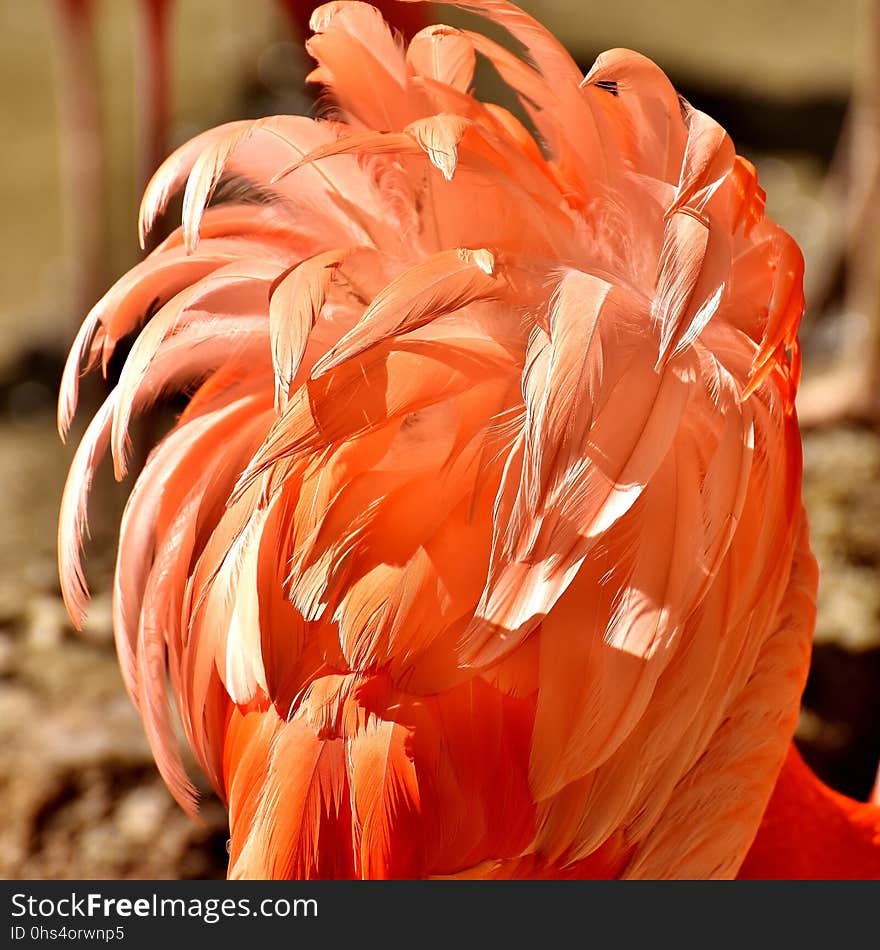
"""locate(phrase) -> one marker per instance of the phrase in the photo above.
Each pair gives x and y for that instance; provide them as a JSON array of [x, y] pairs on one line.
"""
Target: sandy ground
[[79, 795]]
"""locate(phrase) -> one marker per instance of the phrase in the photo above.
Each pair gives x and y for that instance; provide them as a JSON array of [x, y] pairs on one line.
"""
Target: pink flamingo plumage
[[479, 549]]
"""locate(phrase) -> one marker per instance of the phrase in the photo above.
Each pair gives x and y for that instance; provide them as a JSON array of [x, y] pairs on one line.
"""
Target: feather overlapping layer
[[479, 547]]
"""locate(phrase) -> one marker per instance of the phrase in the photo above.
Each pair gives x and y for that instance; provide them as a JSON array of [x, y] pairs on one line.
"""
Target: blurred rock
[[141, 813], [47, 621]]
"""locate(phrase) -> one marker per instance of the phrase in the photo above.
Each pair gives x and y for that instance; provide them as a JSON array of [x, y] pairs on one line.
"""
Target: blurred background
[[795, 82]]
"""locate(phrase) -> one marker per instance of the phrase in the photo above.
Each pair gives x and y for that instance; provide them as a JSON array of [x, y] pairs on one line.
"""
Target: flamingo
[[478, 550], [82, 151]]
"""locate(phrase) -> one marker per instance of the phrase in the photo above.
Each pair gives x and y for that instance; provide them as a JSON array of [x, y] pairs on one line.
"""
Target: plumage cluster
[[478, 549]]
